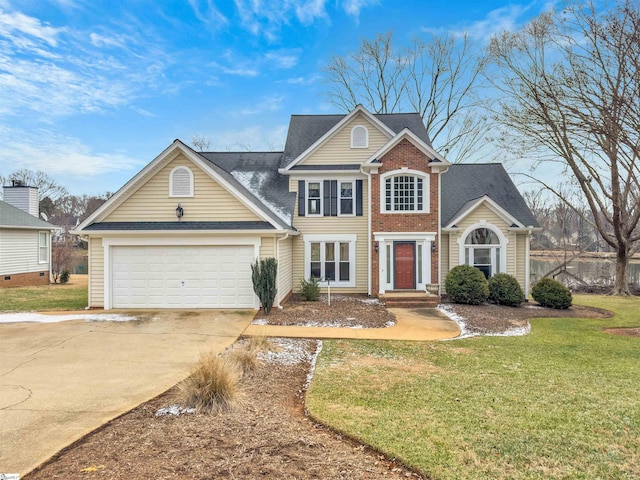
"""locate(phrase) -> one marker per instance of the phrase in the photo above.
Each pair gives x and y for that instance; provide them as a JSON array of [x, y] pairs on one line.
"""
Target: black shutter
[[301, 198], [334, 198], [359, 198], [326, 191]]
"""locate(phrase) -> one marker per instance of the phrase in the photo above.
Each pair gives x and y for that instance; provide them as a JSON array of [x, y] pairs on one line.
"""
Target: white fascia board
[[429, 236], [180, 233], [15, 227], [413, 138], [338, 126], [303, 175], [497, 209], [524, 229]]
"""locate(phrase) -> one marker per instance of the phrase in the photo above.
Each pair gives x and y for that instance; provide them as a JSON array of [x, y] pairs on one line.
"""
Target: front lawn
[[71, 296], [561, 402]]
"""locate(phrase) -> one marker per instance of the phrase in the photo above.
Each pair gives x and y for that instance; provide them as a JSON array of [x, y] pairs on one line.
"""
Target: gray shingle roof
[[465, 183], [13, 217], [257, 175], [305, 130], [179, 226]]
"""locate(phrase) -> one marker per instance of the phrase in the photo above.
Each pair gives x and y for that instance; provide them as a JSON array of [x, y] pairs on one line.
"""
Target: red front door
[[404, 254]]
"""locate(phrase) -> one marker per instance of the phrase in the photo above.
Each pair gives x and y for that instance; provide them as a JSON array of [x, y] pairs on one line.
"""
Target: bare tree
[[62, 257], [437, 78], [47, 186], [200, 143], [571, 85]]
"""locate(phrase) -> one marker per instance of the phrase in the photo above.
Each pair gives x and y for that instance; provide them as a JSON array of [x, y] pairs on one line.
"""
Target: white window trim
[[321, 181], [351, 239], [44, 247], [426, 191], [191, 186], [504, 241], [366, 137]]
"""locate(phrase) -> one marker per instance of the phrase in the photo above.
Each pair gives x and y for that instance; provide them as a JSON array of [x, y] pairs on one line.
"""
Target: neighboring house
[[361, 201], [25, 239]]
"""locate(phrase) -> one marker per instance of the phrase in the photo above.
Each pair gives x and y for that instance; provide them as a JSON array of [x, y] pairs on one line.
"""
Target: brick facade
[[24, 279], [403, 155]]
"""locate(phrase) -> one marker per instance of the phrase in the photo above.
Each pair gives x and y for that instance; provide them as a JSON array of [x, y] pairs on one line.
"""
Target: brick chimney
[[23, 197]]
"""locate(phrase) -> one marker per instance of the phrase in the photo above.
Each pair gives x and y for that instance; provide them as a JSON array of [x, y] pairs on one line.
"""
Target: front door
[[404, 254]]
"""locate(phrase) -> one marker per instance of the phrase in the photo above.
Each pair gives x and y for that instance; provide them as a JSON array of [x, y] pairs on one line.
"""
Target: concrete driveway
[[59, 381]]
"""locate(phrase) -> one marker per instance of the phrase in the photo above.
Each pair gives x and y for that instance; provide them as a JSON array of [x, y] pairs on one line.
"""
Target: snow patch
[[260, 321], [174, 410], [254, 182], [289, 352], [312, 367], [40, 318], [466, 333]]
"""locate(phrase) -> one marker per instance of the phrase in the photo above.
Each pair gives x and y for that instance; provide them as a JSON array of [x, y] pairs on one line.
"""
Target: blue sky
[[91, 91]]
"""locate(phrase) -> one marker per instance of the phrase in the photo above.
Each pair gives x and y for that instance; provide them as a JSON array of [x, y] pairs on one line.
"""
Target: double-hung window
[[330, 259], [43, 247], [346, 191], [331, 197], [314, 198], [405, 192]]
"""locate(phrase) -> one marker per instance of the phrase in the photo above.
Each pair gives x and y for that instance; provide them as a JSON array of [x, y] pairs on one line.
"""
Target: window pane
[[315, 252], [482, 256], [314, 206], [330, 271], [314, 190], [419, 263], [315, 270], [346, 206], [346, 190], [387, 194], [420, 193], [344, 252], [482, 236], [497, 260], [344, 271], [329, 252], [388, 263]]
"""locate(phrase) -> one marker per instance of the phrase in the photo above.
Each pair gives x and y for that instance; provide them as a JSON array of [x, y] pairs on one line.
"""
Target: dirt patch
[[627, 332], [495, 319], [268, 436], [356, 311]]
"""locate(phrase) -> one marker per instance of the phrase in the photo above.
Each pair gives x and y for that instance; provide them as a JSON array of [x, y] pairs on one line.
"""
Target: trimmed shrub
[[504, 289], [64, 277], [264, 275], [310, 290], [213, 384], [466, 284], [552, 294]]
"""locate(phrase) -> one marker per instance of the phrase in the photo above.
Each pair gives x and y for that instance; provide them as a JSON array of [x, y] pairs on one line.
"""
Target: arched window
[[181, 182], [359, 137], [404, 191], [482, 250]]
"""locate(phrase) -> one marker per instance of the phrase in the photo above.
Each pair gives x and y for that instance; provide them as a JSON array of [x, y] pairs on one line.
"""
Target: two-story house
[[360, 201]]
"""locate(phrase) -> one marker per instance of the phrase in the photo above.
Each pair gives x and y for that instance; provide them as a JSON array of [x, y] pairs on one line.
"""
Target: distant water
[[593, 271]]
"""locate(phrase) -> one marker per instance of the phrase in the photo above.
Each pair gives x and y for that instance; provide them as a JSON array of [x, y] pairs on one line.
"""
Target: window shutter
[[326, 192], [359, 198], [334, 198], [301, 198]]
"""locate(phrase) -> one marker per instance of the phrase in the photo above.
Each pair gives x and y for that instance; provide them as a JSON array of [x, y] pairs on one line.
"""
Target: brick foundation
[[405, 154], [24, 279]]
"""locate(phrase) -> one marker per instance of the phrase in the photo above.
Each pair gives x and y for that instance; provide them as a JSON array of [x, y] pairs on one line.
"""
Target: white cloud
[[282, 59], [254, 138], [353, 7], [267, 18], [15, 25], [206, 12], [56, 154], [267, 104], [303, 80], [98, 40]]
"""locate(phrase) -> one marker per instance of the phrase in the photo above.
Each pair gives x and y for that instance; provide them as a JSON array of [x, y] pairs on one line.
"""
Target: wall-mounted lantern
[[179, 211]]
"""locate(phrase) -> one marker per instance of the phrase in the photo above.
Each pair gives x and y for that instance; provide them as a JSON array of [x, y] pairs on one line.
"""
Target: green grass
[[562, 402], [46, 297]]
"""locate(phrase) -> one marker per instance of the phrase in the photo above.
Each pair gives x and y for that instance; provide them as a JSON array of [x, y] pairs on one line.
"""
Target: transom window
[[181, 182], [359, 137], [404, 193], [331, 261], [482, 250]]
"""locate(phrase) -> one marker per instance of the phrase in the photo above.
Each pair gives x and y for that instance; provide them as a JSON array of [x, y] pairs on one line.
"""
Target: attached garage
[[182, 276]]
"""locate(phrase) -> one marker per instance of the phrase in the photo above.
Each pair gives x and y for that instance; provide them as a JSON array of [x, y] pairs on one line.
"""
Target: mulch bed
[[268, 435]]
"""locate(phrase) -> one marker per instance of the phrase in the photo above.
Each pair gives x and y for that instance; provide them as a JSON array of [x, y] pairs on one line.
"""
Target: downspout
[[527, 265], [440, 230], [286, 235], [369, 239]]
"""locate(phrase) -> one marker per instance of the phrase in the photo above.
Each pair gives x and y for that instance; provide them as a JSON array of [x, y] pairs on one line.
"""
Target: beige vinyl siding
[[267, 247], [444, 257], [211, 202], [96, 272], [337, 149], [285, 265], [521, 258], [353, 225], [19, 252]]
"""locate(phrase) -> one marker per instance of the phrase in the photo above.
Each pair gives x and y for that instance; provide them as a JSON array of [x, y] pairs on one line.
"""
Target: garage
[[182, 276]]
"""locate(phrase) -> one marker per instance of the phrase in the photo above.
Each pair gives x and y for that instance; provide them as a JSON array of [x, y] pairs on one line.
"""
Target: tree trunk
[[621, 286]]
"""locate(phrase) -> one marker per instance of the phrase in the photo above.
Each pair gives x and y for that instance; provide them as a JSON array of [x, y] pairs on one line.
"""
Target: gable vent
[[181, 182], [359, 137]]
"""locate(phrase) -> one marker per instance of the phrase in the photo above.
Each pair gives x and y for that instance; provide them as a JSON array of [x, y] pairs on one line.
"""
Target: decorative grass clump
[[552, 294], [246, 358], [504, 289], [212, 386], [466, 284]]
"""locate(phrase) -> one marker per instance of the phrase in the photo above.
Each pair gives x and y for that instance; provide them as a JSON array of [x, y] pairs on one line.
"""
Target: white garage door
[[182, 277]]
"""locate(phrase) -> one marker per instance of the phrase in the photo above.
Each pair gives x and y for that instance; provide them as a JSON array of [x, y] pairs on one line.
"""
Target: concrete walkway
[[417, 324], [60, 381]]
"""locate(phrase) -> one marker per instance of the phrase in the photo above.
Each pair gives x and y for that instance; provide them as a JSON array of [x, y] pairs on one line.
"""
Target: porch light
[[179, 211], [375, 245], [433, 247]]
